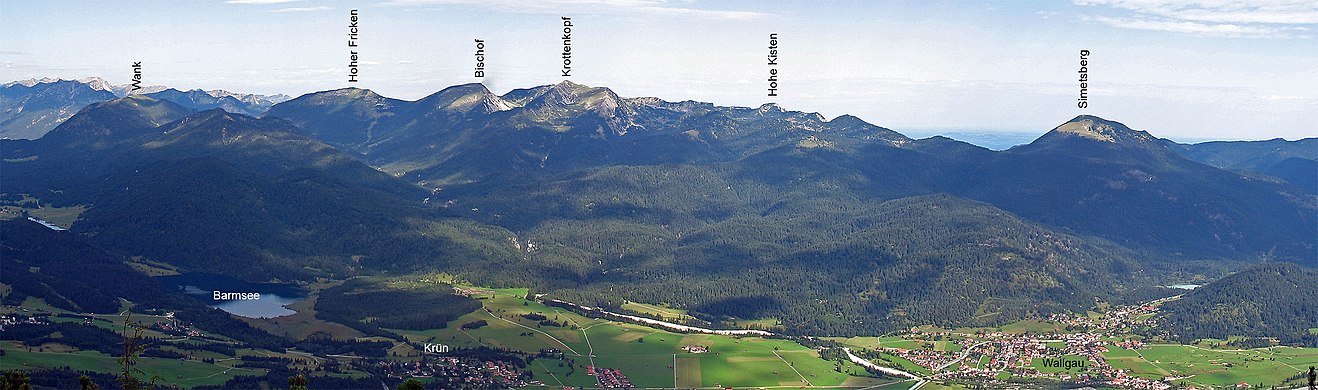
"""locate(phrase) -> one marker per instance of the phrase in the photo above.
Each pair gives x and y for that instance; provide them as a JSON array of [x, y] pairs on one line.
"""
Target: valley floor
[[567, 349]]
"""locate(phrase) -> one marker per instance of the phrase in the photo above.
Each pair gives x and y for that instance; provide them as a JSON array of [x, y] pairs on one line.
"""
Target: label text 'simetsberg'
[[1083, 101]]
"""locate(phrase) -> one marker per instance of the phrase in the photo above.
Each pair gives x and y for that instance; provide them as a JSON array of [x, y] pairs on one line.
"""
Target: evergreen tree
[[298, 382], [411, 384], [15, 380], [86, 383]]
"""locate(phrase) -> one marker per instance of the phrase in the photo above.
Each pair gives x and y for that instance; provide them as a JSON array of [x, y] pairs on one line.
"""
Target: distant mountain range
[[1293, 161], [830, 226], [30, 108], [1080, 176], [995, 140]]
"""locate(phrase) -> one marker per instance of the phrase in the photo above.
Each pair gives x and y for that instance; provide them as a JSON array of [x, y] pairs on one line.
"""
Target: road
[[560, 342], [964, 354], [789, 365]]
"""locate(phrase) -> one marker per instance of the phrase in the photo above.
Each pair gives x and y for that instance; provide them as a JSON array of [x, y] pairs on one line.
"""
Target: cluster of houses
[[1116, 321], [1134, 382], [1130, 344], [15, 319], [467, 372], [174, 328], [1016, 353], [609, 378], [926, 358]]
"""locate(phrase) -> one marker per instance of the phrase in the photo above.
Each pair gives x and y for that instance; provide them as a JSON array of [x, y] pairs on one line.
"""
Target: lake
[[1184, 286], [273, 296]]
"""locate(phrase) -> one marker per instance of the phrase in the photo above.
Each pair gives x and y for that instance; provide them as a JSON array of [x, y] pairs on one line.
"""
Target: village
[[470, 373], [988, 355]]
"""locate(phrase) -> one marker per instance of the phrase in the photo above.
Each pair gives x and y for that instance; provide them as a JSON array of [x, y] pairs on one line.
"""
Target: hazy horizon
[[1181, 70]]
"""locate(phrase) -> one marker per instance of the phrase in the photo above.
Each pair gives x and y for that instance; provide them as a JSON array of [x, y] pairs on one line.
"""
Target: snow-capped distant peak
[[97, 83], [32, 82], [219, 93], [250, 98]]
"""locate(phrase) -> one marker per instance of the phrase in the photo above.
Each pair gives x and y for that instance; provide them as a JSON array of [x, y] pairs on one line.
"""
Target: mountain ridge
[[755, 211], [1089, 174], [224, 192], [31, 108], [1263, 301]]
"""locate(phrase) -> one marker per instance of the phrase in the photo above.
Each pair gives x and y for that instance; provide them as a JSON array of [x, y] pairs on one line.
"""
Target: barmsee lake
[[273, 296]]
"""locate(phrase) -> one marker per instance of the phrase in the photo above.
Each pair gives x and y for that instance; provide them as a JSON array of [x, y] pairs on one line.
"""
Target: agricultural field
[[1200, 366], [657, 358], [185, 373], [1210, 363], [58, 216], [649, 357]]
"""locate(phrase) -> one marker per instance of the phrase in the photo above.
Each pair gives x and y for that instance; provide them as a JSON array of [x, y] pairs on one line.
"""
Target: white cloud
[[1213, 18], [659, 7], [1221, 11], [1275, 98], [1205, 29], [302, 9], [259, 1]]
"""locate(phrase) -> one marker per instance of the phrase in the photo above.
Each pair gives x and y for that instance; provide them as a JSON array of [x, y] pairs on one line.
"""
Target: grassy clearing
[[151, 268], [762, 323], [33, 305], [658, 311], [63, 217], [946, 346], [1032, 326], [59, 216]]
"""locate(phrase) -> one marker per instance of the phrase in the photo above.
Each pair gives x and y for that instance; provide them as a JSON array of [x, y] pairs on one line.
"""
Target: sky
[[1185, 70]]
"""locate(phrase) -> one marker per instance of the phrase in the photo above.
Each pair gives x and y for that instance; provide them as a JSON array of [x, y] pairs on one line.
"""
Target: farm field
[[656, 358], [649, 357], [185, 373], [1214, 367]]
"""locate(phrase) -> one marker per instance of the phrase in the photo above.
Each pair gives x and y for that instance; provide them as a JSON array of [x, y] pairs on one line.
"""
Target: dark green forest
[[831, 226], [1273, 300], [368, 304]]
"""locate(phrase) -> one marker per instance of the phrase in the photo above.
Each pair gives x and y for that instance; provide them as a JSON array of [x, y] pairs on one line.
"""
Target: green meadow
[[1214, 367], [185, 373], [649, 357]]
